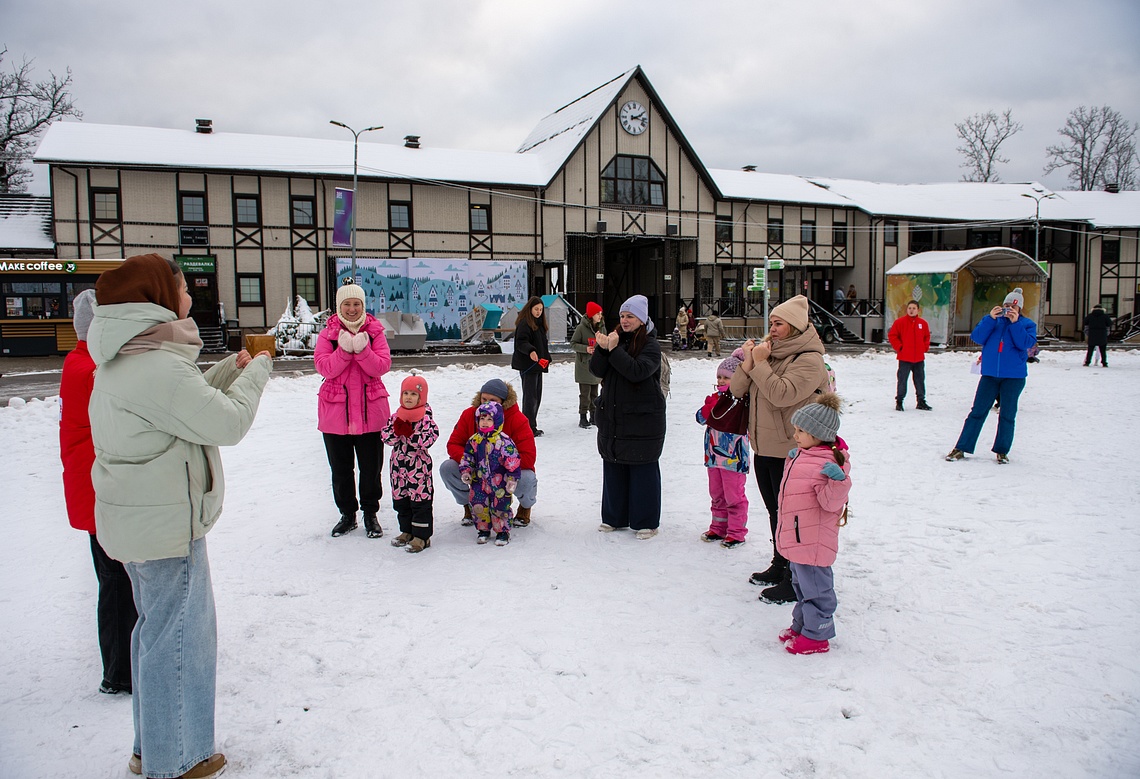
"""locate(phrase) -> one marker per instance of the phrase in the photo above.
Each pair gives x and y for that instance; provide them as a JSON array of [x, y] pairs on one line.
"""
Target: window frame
[[839, 233], [392, 205], [890, 232], [653, 184], [724, 225], [479, 208], [182, 218], [312, 203], [775, 231], [241, 290], [807, 232], [316, 280], [95, 193], [257, 206]]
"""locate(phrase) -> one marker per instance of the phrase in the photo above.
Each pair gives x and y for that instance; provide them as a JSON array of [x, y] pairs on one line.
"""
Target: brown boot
[[467, 518], [208, 768], [522, 517], [418, 545], [402, 540]]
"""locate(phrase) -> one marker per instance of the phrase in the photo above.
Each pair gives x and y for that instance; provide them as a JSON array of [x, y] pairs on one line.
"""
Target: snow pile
[[986, 622], [297, 328]]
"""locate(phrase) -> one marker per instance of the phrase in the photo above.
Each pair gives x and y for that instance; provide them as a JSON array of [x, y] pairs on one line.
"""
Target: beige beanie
[[349, 291], [794, 312]]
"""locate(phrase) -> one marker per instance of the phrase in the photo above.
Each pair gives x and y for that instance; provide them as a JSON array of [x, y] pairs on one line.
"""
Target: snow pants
[[414, 516], [990, 389], [729, 503], [526, 491], [814, 612]]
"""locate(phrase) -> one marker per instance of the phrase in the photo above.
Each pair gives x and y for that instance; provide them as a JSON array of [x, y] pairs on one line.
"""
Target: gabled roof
[[25, 223], [992, 261], [1103, 209]]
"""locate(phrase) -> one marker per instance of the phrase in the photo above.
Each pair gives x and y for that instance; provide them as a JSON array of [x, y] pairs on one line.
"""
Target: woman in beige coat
[[781, 374]]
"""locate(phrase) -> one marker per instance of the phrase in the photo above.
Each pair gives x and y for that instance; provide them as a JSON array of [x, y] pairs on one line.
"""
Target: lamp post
[[355, 145], [1037, 222]]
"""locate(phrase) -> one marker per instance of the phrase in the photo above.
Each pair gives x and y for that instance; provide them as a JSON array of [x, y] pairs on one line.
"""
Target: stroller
[[678, 342], [700, 343]]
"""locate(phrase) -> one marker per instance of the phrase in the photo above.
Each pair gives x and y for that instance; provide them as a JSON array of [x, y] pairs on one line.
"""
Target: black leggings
[[769, 472]]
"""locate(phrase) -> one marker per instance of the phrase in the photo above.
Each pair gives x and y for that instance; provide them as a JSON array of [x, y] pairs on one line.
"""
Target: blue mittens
[[833, 472], [793, 452]]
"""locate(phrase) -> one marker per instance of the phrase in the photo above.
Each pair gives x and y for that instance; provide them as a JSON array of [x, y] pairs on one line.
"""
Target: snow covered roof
[[991, 261], [777, 187], [25, 223], [83, 143], [1103, 209], [558, 134]]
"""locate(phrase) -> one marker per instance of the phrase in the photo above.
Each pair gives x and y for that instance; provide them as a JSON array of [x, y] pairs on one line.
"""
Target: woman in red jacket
[[910, 337], [116, 609]]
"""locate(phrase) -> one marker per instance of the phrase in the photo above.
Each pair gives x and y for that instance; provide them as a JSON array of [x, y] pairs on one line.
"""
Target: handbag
[[729, 414]]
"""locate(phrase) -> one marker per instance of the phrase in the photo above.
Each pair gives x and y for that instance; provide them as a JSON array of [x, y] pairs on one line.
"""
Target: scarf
[[353, 325], [180, 331]]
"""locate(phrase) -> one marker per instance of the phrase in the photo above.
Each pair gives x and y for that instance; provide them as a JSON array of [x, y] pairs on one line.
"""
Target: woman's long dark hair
[[637, 340], [528, 317]]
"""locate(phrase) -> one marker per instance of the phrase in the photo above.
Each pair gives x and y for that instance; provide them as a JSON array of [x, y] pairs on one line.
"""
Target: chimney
[[749, 169], [1113, 188], [204, 126], [412, 141]]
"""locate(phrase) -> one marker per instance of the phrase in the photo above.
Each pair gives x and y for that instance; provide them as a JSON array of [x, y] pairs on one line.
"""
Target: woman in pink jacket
[[352, 407], [813, 497]]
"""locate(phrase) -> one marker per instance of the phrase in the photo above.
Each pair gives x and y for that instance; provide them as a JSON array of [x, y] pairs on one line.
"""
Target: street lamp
[[1037, 222], [355, 144]]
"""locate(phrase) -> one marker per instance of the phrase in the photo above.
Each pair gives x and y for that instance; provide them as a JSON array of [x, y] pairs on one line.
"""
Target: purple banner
[[342, 217]]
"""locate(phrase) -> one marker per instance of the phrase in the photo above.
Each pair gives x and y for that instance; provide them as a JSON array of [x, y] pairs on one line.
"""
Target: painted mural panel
[[440, 290], [934, 293]]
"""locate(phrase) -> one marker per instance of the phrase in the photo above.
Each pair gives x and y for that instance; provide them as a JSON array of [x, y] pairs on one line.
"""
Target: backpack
[[830, 376], [665, 375]]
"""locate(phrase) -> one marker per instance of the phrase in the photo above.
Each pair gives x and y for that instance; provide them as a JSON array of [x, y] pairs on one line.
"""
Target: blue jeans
[[989, 390], [526, 491], [174, 657]]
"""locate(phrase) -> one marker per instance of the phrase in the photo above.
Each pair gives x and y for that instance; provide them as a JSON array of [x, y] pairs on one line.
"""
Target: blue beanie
[[638, 305], [496, 387]]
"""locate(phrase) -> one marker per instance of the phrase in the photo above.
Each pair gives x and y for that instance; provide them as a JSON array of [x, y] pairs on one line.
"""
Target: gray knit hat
[[821, 418], [496, 387], [1017, 296], [84, 312]]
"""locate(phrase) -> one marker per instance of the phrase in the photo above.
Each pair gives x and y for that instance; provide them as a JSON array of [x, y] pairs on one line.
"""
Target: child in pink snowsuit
[[726, 460], [813, 497], [410, 432], [491, 465]]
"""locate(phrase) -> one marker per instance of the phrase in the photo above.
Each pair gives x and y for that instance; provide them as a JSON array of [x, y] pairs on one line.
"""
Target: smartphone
[[592, 341]]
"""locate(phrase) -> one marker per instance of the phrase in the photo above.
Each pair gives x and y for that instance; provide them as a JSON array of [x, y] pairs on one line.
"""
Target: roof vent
[[412, 141], [749, 169], [1113, 188], [204, 126]]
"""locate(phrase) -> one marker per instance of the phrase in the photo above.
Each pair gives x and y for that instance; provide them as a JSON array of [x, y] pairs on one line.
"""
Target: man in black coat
[[1097, 324]]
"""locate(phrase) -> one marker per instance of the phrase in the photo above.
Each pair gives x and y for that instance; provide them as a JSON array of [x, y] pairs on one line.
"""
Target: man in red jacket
[[910, 337], [516, 425], [116, 609]]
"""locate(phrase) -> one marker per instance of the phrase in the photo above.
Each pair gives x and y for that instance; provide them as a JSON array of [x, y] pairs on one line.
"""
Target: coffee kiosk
[[36, 303]]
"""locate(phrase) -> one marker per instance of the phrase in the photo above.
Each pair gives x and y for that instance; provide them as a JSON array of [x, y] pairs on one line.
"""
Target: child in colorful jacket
[[410, 432], [813, 497], [726, 459], [491, 466]]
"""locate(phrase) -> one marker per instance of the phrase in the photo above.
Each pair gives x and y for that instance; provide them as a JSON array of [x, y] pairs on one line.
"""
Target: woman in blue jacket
[[1006, 338]]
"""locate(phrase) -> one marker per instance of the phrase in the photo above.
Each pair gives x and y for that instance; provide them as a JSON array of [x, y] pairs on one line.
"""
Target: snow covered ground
[[986, 626]]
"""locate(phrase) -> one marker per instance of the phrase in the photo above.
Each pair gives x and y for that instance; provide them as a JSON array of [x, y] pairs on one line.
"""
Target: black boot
[[772, 575], [898, 405], [346, 524], [582, 421], [372, 525], [780, 593], [922, 406], [593, 422]]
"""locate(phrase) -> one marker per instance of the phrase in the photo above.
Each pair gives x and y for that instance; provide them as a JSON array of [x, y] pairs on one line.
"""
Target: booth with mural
[[954, 289]]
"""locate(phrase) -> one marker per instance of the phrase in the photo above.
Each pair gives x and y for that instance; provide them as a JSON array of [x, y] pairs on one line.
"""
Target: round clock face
[[634, 118]]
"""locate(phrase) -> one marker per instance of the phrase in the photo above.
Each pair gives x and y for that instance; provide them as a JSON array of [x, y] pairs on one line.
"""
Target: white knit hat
[[350, 291]]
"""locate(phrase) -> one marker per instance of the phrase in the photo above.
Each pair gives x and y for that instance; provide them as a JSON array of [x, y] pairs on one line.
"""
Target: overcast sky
[[868, 90]]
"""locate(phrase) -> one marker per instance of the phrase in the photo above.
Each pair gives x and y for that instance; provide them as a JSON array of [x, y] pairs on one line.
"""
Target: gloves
[[833, 472], [402, 427], [360, 342], [543, 363], [345, 341], [793, 452]]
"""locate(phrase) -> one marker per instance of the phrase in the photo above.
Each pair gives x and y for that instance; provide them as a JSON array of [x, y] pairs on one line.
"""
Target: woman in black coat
[[631, 421], [531, 358], [1096, 325]]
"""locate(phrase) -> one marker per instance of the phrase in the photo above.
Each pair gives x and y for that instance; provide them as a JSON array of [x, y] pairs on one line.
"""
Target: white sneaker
[[646, 533], [604, 528]]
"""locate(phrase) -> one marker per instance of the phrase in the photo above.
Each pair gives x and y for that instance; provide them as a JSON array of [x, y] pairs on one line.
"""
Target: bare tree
[[1100, 148], [982, 135], [26, 108]]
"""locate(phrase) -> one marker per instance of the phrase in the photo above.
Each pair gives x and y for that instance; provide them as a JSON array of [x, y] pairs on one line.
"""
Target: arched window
[[633, 181]]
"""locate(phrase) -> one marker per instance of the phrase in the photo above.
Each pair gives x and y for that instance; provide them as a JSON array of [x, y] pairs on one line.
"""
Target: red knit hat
[[592, 308]]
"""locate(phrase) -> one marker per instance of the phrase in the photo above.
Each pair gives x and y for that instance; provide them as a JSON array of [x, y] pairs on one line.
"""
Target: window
[[633, 181], [724, 229], [891, 233], [480, 218], [33, 300], [105, 205], [247, 210], [807, 232], [304, 211], [981, 238], [839, 234], [775, 231], [305, 286], [1110, 253], [191, 208], [249, 289], [400, 216]]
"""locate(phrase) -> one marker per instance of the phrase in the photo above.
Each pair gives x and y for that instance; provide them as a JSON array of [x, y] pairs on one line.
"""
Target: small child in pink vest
[[813, 500]]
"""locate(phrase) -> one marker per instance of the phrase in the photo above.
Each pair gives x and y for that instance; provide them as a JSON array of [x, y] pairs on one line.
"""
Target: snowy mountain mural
[[440, 290]]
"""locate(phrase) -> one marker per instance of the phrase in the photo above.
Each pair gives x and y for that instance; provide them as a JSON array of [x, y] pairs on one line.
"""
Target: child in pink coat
[[726, 459], [813, 501], [410, 432]]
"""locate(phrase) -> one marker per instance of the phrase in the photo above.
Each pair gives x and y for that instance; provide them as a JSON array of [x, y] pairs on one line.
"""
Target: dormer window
[[633, 181]]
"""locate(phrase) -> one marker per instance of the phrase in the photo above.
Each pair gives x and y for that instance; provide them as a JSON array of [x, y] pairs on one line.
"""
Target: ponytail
[[839, 458]]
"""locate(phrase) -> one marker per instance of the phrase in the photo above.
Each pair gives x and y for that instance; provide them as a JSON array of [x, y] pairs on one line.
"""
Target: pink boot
[[802, 645], [787, 634]]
